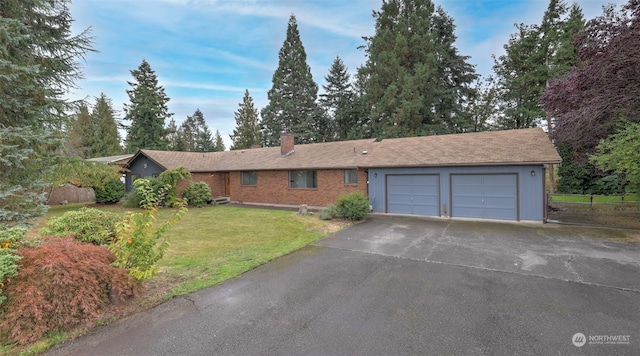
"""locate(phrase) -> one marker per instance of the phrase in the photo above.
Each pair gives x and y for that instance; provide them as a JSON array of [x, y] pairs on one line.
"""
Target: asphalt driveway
[[403, 285]]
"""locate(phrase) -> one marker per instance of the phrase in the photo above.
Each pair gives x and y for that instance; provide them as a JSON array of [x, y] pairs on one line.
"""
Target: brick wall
[[214, 180], [273, 188]]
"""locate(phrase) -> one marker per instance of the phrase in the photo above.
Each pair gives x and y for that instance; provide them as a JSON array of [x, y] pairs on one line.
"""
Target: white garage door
[[488, 196], [413, 194]]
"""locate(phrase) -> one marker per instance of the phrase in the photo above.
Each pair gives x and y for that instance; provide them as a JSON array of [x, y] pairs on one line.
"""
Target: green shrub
[[353, 206], [62, 284], [328, 213], [169, 180], [131, 200], [140, 241], [10, 240], [86, 225], [111, 193], [198, 194]]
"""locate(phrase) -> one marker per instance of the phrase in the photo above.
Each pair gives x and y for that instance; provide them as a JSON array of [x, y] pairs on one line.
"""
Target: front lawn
[[213, 244], [206, 247]]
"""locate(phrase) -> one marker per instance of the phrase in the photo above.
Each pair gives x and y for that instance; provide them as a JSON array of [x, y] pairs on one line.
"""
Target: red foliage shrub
[[61, 284]]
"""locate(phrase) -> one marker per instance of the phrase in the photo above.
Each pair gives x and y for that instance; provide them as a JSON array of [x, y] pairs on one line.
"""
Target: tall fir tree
[[533, 57], [172, 136], [520, 78], [79, 138], [106, 140], [39, 64], [147, 111], [418, 84], [483, 105], [193, 135], [338, 98], [292, 98], [359, 112], [204, 141], [95, 133], [247, 131], [218, 143]]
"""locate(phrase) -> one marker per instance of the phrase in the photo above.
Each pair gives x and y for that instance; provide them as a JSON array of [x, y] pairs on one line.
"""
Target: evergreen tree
[[521, 79], [94, 134], [218, 142], [454, 78], [482, 105], [534, 56], [203, 139], [194, 135], [358, 112], [80, 136], [39, 63], [188, 131], [247, 131], [106, 139], [292, 98], [172, 135], [147, 111], [338, 98], [418, 84], [175, 138]]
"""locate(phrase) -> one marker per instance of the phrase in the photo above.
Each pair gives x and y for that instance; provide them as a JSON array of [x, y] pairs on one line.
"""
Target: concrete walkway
[[401, 285]]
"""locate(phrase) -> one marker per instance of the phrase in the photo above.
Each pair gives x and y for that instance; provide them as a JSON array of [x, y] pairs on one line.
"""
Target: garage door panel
[[499, 191], [496, 202], [490, 196], [413, 194]]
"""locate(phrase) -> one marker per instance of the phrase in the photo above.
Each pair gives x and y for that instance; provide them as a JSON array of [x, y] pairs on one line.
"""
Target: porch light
[[533, 173]]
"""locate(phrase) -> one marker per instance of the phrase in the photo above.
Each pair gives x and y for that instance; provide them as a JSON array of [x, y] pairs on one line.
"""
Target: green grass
[[207, 246], [570, 198], [213, 244], [210, 245]]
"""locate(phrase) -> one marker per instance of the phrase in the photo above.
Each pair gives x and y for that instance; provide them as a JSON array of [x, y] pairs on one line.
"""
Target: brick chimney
[[286, 144]]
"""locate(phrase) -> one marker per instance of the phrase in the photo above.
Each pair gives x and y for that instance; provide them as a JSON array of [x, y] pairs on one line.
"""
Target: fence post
[[591, 208]]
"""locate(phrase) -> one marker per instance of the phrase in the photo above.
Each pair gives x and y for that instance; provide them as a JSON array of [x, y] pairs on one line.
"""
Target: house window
[[134, 177], [350, 176], [303, 179], [249, 178]]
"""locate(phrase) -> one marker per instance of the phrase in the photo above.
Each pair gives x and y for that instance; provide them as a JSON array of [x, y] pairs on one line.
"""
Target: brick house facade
[[458, 175], [272, 187]]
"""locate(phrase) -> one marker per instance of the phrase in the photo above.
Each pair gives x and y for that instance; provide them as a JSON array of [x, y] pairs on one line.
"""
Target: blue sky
[[207, 52]]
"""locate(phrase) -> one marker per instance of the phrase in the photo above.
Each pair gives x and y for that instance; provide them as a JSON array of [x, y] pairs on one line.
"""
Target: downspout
[[545, 196]]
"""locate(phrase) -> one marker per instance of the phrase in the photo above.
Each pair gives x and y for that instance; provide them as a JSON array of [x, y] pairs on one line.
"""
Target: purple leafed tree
[[603, 91]]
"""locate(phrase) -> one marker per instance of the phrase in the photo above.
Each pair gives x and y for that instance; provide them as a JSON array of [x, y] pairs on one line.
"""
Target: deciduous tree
[[620, 154], [588, 101]]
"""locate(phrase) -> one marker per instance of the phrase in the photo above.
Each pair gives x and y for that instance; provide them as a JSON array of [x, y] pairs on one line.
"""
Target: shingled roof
[[513, 147]]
